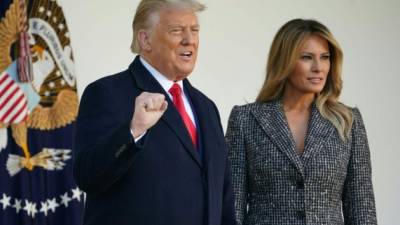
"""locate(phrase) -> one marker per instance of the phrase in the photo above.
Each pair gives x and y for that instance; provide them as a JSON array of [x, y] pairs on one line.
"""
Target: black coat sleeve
[[104, 148]]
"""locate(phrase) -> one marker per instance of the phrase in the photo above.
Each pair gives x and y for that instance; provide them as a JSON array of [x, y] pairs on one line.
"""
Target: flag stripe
[[4, 77], [13, 103], [15, 109], [7, 86], [10, 109], [7, 97], [19, 113], [6, 82], [23, 115]]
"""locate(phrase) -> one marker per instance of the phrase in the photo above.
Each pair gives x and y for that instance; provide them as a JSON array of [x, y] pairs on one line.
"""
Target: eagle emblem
[[35, 43]]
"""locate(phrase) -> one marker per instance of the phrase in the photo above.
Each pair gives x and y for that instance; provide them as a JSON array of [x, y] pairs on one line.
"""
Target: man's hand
[[149, 107]]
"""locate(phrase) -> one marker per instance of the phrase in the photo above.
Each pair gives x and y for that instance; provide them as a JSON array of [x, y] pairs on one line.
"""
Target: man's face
[[173, 43]]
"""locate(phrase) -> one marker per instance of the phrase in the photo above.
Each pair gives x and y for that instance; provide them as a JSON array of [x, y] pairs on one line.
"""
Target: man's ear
[[144, 40]]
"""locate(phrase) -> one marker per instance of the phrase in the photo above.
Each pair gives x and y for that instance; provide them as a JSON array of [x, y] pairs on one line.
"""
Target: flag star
[[52, 204], [28, 207], [44, 208], [47, 93], [48, 13], [33, 210], [17, 205], [65, 199], [61, 26], [5, 201], [76, 194], [66, 34], [51, 84], [58, 73], [41, 9], [54, 19], [62, 82]]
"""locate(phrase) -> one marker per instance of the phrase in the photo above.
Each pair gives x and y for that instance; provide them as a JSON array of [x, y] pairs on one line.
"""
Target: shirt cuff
[[138, 138]]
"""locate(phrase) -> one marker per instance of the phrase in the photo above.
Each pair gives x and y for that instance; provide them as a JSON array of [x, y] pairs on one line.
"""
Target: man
[[150, 149]]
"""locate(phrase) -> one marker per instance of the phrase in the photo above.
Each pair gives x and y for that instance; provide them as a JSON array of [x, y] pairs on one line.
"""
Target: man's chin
[[185, 72], [182, 76]]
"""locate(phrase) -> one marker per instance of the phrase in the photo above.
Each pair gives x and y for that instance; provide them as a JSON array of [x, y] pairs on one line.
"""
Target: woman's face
[[312, 67]]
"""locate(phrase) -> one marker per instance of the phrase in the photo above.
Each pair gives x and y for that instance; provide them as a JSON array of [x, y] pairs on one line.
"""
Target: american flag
[[13, 102]]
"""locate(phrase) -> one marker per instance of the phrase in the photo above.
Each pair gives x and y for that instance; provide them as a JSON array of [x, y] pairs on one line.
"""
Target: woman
[[298, 155]]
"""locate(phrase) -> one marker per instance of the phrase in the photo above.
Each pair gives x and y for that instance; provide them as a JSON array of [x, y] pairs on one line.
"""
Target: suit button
[[300, 184], [301, 214]]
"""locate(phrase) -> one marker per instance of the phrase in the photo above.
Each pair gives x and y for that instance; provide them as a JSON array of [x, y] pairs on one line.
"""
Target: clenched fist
[[149, 107]]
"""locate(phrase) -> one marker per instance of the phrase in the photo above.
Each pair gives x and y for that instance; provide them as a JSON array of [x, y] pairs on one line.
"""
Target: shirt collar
[[165, 83]]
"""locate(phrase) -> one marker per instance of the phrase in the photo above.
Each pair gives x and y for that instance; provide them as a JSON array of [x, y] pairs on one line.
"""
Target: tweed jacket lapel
[[271, 118], [319, 130]]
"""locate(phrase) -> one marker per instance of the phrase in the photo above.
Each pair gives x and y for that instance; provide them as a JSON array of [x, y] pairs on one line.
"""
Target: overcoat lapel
[[171, 117], [205, 126], [272, 120]]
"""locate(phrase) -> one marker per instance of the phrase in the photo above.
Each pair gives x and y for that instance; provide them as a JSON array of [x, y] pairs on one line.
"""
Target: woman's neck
[[297, 102]]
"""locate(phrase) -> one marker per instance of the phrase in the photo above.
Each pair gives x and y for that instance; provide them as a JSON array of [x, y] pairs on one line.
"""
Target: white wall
[[235, 38]]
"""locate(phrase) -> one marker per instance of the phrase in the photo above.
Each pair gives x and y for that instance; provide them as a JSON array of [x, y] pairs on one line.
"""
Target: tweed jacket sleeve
[[237, 157], [358, 196]]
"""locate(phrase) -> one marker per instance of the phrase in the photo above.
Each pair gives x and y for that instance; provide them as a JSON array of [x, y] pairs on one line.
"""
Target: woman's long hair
[[284, 53]]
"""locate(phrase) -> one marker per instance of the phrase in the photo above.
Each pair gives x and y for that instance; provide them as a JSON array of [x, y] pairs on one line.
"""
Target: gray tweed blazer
[[330, 183]]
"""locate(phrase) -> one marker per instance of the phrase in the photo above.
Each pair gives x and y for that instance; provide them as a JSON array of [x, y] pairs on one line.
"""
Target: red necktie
[[176, 93]]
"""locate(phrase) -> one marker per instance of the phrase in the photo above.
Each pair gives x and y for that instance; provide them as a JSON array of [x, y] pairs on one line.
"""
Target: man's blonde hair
[[145, 12]]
